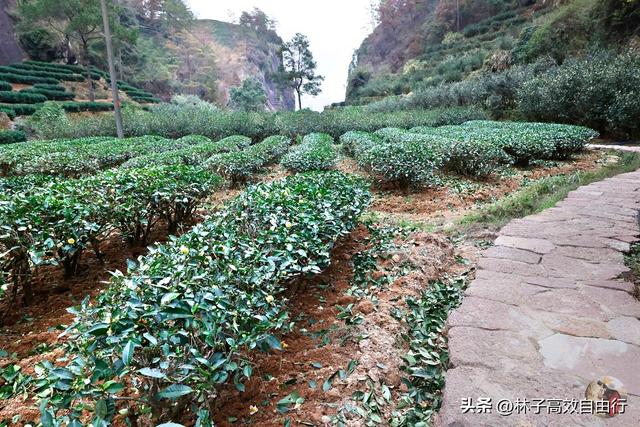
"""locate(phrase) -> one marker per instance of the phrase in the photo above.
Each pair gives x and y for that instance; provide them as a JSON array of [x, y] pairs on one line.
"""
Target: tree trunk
[[299, 99], [87, 66]]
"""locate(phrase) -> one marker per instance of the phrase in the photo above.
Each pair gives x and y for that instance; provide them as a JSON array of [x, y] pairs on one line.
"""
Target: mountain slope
[[423, 43]]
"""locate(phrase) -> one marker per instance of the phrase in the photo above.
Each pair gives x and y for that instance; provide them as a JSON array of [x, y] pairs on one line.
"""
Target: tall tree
[[298, 68], [248, 97], [78, 21]]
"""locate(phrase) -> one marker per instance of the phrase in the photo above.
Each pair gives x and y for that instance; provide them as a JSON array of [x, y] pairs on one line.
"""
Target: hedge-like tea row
[[475, 149], [26, 79], [192, 155], [21, 97], [238, 166], [8, 111], [80, 157], [177, 325], [49, 66], [522, 141], [6, 86], [12, 136], [316, 152], [63, 76], [53, 95], [21, 109], [49, 221], [57, 87], [76, 107], [146, 99]]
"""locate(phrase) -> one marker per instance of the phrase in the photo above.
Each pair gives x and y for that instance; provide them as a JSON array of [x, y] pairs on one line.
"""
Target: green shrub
[[316, 152], [193, 154], [404, 158], [352, 140], [8, 111], [76, 107], [56, 87], [52, 95], [53, 221], [21, 109], [600, 91], [194, 139], [239, 166], [175, 121], [80, 157], [21, 97], [5, 86], [12, 136], [47, 121], [26, 79], [64, 76], [465, 154], [213, 295], [271, 149]]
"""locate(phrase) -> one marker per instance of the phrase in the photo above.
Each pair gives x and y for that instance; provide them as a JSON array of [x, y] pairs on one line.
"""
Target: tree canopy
[[250, 96], [299, 68]]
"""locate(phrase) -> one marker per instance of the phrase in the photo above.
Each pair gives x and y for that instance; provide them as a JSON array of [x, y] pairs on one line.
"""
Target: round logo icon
[[608, 395]]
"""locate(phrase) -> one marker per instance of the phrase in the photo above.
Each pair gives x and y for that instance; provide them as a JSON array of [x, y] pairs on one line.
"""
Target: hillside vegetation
[[159, 46], [426, 53]]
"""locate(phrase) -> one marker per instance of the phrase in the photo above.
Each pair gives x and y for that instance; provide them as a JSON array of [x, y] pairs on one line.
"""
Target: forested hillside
[[160, 47], [435, 53]]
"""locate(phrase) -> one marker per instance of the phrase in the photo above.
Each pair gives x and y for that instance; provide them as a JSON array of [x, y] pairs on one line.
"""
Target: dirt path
[[548, 313]]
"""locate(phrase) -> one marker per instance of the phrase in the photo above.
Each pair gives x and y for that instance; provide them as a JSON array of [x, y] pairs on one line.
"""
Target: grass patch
[[541, 195]]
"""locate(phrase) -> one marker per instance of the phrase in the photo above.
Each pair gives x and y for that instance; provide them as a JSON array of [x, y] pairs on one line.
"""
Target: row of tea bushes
[[178, 324], [12, 136], [316, 152], [522, 141], [49, 221], [239, 166], [175, 121], [475, 149], [79, 157], [202, 149]]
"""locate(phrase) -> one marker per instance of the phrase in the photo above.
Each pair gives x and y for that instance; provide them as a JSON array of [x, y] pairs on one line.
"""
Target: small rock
[[365, 307]]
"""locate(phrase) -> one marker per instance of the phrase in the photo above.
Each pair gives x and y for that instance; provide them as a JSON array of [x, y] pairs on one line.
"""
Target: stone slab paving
[[548, 312], [613, 147]]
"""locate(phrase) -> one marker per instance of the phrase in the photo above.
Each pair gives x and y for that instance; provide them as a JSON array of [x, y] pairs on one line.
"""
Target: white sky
[[335, 28]]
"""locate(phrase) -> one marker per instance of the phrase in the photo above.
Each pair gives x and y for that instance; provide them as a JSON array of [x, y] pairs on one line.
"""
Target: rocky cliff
[[233, 53], [10, 50]]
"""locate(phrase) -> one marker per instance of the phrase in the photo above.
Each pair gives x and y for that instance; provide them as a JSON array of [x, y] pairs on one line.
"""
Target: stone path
[[614, 147], [547, 312]]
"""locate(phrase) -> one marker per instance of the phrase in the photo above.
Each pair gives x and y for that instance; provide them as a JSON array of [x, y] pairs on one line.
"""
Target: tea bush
[[599, 91], [14, 77], [316, 152], [12, 136], [175, 121], [21, 97], [10, 112], [467, 156], [239, 166], [20, 109], [79, 157], [212, 295], [56, 87], [192, 155], [5, 86], [53, 95], [53, 221], [43, 74]]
